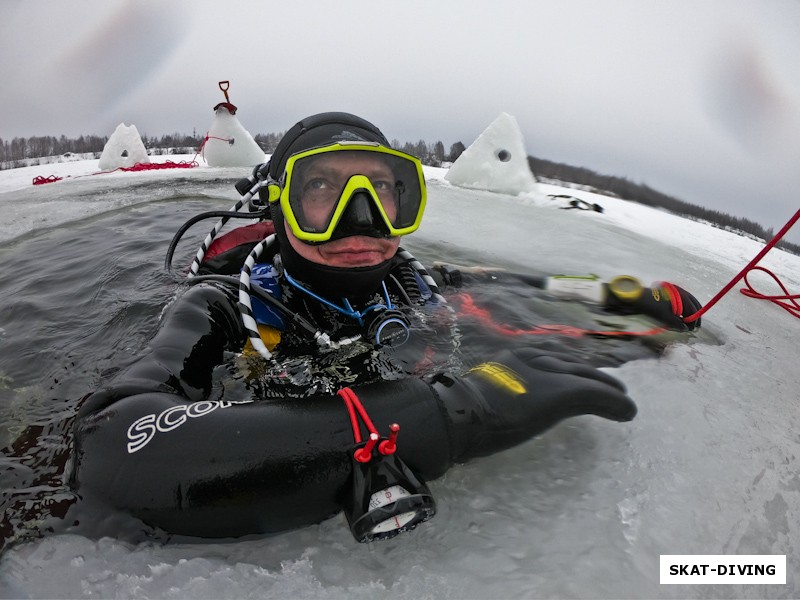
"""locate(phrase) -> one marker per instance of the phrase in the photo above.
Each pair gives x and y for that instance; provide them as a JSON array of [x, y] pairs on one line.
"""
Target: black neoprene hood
[[321, 130], [313, 132]]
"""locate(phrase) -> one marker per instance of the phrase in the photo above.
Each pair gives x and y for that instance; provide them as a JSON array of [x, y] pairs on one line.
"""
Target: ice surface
[[709, 465], [123, 149], [27, 208], [229, 144], [496, 161]]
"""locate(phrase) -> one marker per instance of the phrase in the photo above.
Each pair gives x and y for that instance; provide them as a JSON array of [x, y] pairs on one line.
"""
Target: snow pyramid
[[496, 161], [123, 149], [229, 144]]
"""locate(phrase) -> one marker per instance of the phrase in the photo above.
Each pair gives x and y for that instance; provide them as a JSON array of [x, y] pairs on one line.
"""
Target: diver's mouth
[[357, 251], [359, 258]]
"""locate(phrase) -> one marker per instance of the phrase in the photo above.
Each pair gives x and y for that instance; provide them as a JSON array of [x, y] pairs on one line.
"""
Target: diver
[[323, 279]]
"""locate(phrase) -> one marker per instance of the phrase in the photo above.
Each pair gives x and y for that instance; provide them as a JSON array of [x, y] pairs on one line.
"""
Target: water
[[708, 467]]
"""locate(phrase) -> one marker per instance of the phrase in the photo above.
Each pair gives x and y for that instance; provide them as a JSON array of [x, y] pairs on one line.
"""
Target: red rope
[[201, 149], [353, 404], [182, 164], [752, 266], [39, 180], [470, 308], [169, 164], [792, 307]]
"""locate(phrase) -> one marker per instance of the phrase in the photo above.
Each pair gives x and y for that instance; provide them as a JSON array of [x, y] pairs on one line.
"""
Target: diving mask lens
[[321, 184]]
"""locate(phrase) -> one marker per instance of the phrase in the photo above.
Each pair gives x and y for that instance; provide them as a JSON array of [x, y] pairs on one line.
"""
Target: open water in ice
[[709, 466]]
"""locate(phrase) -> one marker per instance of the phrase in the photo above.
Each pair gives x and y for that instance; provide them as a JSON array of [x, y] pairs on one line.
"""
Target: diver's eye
[[319, 190], [317, 184]]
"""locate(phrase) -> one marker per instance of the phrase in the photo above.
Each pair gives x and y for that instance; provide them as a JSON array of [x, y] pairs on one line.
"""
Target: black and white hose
[[423, 272], [204, 246]]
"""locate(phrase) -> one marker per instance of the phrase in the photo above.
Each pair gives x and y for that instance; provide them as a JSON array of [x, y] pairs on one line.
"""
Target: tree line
[[19, 149], [20, 152], [622, 187]]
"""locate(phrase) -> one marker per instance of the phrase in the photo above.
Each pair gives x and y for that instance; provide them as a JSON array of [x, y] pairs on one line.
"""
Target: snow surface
[[709, 466]]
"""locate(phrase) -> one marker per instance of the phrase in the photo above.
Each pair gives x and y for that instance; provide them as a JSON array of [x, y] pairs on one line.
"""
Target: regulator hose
[[227, 214]]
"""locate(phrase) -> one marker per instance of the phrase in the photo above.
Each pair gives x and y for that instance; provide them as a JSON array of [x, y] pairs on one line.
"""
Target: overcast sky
[[699, 99]]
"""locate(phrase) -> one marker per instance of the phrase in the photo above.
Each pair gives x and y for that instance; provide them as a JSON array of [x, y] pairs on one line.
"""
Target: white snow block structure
[[496, 161], [229, 144], [123, 149]]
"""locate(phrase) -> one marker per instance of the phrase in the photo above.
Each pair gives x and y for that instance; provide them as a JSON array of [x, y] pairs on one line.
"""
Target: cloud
[[84, 59]]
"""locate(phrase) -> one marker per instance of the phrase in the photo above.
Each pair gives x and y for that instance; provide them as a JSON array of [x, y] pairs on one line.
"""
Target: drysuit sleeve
[[668, 303], [197, 329]]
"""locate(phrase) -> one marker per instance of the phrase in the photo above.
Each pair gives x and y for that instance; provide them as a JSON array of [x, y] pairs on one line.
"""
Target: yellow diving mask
[[362, 182]]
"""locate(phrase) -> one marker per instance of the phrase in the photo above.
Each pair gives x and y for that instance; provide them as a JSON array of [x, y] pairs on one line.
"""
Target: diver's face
[[322, 184]]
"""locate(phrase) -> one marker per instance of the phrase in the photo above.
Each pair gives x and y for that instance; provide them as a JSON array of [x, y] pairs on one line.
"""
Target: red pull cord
[[354, 406], [355, 409], [743, 273], [365, 454], [390, 446]]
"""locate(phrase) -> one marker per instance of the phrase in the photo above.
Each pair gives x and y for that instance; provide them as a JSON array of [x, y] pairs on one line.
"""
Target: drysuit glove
[[522, 393], [664, 301]]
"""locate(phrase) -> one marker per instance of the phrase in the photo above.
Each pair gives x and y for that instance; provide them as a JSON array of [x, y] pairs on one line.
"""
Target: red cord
[[182, 164], [201, 149], [743, 273], [353, 417], [792, 307], [355, 409], [39, 180], [353, 405], [390, 446]]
